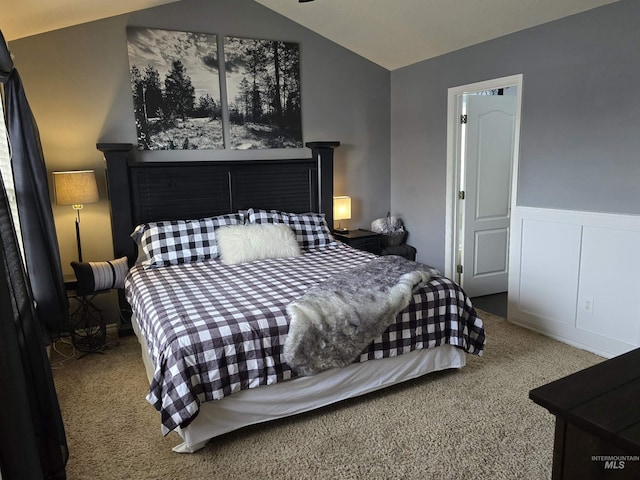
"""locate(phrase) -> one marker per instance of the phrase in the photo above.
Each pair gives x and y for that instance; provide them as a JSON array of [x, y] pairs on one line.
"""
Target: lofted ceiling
[[23, 18], [390, 33]]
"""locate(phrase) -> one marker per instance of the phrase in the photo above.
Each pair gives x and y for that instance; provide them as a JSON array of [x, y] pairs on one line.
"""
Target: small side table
[[88, 330], [361, 239]]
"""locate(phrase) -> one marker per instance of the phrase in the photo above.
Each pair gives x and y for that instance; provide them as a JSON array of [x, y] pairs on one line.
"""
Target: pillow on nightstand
[[96, 276]]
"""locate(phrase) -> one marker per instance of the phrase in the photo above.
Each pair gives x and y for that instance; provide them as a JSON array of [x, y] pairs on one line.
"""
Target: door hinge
[[463, 118], [459, 268], [461, 194]]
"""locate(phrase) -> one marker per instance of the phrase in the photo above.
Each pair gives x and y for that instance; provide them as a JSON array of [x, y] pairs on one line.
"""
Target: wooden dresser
[[597, 411]]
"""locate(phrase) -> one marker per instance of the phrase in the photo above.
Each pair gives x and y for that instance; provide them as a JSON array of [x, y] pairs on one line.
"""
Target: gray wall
[[580, 131], [579, 137], [77, 82]]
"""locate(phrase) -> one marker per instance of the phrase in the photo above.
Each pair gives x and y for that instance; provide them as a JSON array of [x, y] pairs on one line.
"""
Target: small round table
[[88, 330]]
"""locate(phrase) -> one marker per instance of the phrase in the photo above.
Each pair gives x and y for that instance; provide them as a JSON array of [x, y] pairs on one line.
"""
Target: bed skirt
[[303, 394]]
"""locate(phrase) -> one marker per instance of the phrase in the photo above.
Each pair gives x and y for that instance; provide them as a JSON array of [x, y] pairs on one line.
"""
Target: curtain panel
[[32, 438], [39, 239]]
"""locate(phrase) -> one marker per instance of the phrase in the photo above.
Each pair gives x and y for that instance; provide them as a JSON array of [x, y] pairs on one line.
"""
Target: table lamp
[[341, 211], [76, 188]]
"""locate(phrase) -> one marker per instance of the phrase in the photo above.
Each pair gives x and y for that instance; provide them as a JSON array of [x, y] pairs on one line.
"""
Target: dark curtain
[[34, 208], [32, 437]]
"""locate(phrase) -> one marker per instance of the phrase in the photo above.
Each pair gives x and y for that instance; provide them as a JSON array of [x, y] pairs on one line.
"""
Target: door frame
[[452, 237]]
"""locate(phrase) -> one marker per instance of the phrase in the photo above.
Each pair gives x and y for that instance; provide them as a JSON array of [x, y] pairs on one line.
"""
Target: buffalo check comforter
[[215, 329]]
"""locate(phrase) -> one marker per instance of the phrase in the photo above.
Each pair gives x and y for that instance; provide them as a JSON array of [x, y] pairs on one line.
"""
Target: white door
[[486, 208]]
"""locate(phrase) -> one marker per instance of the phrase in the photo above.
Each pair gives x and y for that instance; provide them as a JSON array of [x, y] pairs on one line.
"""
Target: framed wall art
[[263, 93], [175, 82]]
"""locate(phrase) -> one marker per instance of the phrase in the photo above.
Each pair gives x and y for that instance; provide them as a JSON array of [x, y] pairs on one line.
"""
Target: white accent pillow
[[246, 243]]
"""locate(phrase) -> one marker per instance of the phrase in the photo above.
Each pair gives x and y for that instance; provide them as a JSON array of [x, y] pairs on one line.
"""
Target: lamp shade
[[75, 187], [341, 208]]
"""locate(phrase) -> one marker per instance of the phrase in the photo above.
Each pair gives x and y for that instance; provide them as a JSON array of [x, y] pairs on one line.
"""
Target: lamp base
[[341, 230]]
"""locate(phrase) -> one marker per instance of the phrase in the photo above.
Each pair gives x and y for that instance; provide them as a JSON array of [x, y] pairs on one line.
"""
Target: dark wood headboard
[[142, 192]]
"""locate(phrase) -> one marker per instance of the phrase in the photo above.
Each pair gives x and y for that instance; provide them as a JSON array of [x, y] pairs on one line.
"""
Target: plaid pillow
[[174, 242], [311, 229]]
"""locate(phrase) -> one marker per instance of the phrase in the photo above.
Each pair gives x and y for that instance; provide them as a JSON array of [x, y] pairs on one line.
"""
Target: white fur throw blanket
[[332, 323]]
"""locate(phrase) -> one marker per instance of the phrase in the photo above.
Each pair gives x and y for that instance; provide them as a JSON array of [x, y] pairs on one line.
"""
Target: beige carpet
[[476, 423]]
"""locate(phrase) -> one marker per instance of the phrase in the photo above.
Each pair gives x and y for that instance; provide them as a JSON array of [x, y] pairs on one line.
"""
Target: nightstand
[[404, 250], [88, 330], [361, 239]]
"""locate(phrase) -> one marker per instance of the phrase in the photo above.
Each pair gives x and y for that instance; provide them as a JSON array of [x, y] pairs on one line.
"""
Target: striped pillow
[[97, 276]]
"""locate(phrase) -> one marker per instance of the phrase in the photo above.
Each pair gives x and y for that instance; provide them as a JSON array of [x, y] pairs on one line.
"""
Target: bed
[[235, 374]]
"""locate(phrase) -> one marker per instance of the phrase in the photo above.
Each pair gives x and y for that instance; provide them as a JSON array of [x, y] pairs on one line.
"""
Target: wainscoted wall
[[574, 276]]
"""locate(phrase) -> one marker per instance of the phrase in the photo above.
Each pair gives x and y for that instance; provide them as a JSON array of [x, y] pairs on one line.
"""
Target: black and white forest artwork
[[263, 93], [176, 89]]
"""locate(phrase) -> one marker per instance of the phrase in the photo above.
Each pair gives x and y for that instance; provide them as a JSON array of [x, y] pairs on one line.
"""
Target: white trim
[[563, 339], [452, 184]]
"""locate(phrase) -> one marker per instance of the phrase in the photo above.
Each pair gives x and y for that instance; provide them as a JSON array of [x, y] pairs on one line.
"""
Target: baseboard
[[562, 339], [112, 328]]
